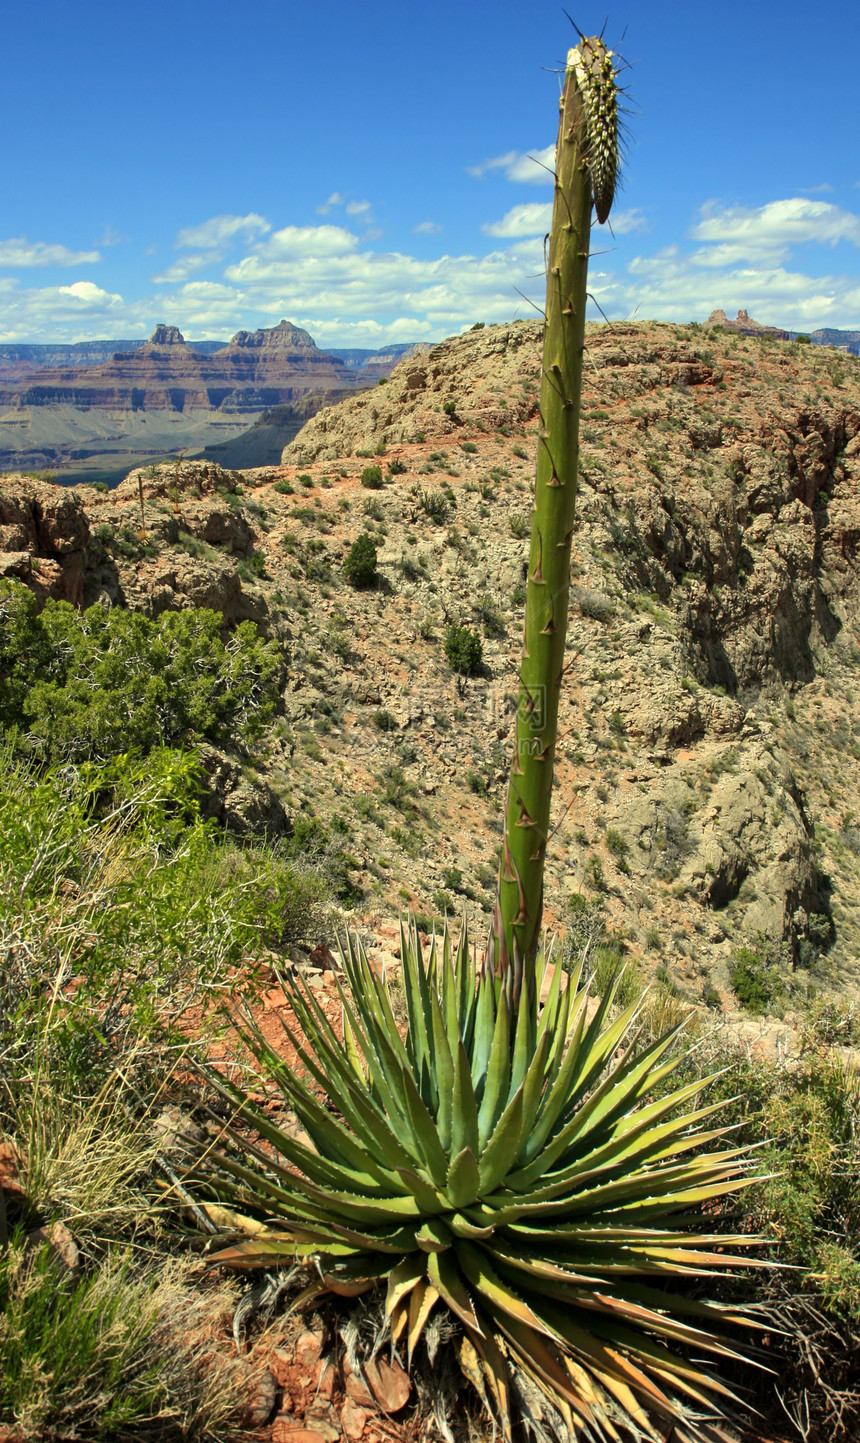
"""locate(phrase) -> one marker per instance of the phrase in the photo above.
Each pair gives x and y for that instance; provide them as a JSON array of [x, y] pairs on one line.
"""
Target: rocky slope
[[709, 781]]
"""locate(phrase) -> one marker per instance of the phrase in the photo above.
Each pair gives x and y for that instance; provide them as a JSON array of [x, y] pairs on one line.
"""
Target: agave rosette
[[536, 1174]]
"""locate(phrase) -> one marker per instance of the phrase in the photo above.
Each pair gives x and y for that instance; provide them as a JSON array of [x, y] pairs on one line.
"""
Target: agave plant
[[538, 1175]]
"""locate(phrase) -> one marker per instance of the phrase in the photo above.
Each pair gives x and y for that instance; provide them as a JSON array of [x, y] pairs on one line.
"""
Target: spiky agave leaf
[[534, 1175]]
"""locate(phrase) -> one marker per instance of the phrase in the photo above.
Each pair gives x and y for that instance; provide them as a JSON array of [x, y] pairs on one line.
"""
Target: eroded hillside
[[709, 779]]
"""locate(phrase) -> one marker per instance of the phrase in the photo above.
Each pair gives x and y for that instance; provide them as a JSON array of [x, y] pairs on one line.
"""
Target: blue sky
[[364, 171]]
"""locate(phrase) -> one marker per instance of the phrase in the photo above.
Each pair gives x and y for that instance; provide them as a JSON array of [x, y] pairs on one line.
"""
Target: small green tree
[[464, 650], [359, 567], [371, 478]]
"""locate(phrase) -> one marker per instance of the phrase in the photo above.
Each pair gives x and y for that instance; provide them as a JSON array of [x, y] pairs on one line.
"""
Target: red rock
[[352, 1419], [388, 1383], [262, 1392], [62, 1245], [356, 1387], [10, 1169], [309, 1349], [286, 1430]]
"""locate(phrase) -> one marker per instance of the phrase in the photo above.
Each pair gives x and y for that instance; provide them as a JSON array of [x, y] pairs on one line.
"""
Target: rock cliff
[[257, 369]]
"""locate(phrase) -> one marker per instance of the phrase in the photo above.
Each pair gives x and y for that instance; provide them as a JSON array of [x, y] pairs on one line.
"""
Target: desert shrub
[[359, 568], [450, 408], [125, 1352], [253, 566], [469, 447], [490, 617], [371, 478], [519, 526], [756, 977], [619, 847], [463, 649], [436, 505], [385, 721], [322, 858], [595, 604], [94, 685], [396, 468]]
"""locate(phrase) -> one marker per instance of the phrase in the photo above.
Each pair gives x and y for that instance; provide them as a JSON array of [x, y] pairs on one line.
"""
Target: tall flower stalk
[[585, 171]]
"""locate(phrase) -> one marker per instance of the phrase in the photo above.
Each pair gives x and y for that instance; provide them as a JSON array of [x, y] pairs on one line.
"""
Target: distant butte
[[256, 370], [744, 325]]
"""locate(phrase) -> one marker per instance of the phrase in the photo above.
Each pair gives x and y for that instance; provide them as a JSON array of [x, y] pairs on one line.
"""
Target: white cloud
[[670, 285], [335, 199], [112, 237], [358, 207], [220, 230], [21, 253], [187, 266], [345, 291], [88, 293], [622, 222], [536, 167], [75, 312], [315, 243], [427, 227], [770, 230], [534, 218]]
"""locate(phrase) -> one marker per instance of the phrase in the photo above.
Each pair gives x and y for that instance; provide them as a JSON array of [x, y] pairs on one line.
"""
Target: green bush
[[464, 650], [91, 686], [371, 478], [619, 847], [756, 979], [450, 408], [436, 505], [359, 568]]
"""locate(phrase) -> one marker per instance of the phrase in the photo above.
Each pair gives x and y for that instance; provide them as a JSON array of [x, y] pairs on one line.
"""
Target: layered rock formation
[[257, 369]]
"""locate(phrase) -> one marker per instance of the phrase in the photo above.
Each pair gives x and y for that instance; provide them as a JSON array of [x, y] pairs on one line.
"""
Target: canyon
[[97, 417], [708, 776]]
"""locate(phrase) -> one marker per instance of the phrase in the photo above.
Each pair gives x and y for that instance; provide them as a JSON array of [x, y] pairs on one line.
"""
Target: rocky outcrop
[[256, 370], [236, 799], [443, 392], [744, 325], [44, 533], [122, 552]]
